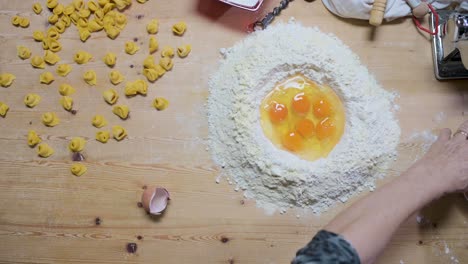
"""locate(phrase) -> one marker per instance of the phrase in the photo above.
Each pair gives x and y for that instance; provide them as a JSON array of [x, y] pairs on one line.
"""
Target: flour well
[[277, 179]]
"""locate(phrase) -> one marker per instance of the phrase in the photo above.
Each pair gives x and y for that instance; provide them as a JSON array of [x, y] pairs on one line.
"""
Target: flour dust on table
[[274, 173]]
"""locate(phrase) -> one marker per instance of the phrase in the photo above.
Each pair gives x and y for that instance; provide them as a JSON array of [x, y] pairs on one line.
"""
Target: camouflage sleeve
[[327, 247]]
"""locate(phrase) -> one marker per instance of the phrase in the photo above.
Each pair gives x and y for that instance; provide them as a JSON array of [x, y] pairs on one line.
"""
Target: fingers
[[462, 132], [444, 135]]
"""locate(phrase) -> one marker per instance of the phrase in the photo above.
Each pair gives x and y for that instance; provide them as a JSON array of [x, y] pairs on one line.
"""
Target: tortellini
[[142, 1], [6, 79], [84, 34], [90, 77], [99, 121], [20, 21], [153, 26], [110, 59], [46, 78], [121, 111], [148, 63], [37, 8], [82, 57], [23, 52], [151, 74], [52, 4], [179, 28], [54, 45], [66, 102], [51, 58], [160, 103], [31, 100], [119, 132], [111, 31], [151, 70], [136, 87], [50, 119], [95, 25], [66, 89], [166, 63], [183, 51], [38, 62], [3, 109], [77, 144], [64, 69], [33, 138], [160, 70], [44, 150], [53, 33], [167, 51], [58, 10], [38, 35], [116, 77], [153, 45], [78, 169], [110, 96], [102, 136], [131, 47]]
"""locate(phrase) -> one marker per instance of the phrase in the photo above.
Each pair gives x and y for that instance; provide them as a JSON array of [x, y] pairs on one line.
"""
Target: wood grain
[[49, 216]]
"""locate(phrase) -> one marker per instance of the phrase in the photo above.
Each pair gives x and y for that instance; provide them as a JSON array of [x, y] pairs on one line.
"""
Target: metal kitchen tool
[[251, 5], [450, 45]]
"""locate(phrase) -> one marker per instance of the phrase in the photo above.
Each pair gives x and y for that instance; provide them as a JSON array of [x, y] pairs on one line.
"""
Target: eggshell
[[155, 199]]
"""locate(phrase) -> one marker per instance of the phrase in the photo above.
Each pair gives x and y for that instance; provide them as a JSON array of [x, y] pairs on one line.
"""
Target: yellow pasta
[[95, 25], [53, 33], [66, 20], [151, 74], [6, 79], [111, 31], [64, 69], [82, 57], [84, 34], [58, 10], [131, 48], [23, 52], [46, 78], [99, 121], [50, 119], [119, 132], [54, 45], [66, 102], [66, 89], [148, 63], [78, 169], [99, 15], [153, 45], [31, 100], [69, 9], [122, 4], [136, 87], [78, 4], [102, 3], [160, 103], [153, 26], [82, 23], [77, 144], [51, 58], [183, 51], [167, 51], [60, 26], [84, 13], [160, 70], [38, 35], [90, 77], [121, 111], [15, 21], [24, 23], [179, 28], [110, 59], [116, 77], [3, 109], [166, 63], [37, 8], [33, 138], [44, 150], [92, 6], [110, 96], [102, 136], [52, 4], [120, 21], [53, 19]]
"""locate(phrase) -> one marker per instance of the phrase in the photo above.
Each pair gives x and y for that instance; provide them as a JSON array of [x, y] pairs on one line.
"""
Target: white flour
[[278, 179]]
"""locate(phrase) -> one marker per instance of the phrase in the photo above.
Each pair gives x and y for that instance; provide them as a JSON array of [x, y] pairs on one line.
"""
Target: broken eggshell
[[154, 200]]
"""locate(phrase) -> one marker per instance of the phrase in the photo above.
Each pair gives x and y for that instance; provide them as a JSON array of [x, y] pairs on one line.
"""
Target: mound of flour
[[276, 178]]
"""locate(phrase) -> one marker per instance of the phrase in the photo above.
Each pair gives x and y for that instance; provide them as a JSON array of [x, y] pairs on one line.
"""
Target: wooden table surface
[[47, 215]]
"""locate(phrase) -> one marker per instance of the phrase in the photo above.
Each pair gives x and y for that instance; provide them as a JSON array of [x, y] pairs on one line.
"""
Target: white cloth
[[395, 8]]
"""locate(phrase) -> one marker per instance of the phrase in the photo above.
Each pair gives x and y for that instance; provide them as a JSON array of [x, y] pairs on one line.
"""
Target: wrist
[[426, 180]]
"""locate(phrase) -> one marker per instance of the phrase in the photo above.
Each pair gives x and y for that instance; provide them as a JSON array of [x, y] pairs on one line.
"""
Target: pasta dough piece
[[110, 96], [82, 23], [15, 21], [111, 31], [142, 1], [3, 109], [153, 45], [166, 63], [160, 70], [58, 10], [153, 26], [179, 28], [77, 144], [64, 69], [52, 4], [37, 62], [110, 59], [54, 45], [6, 79], [44, 150], [53, 19], [51, 58], [53, 33], [66, 89], [60, 26], [92, 6], [136, 87], [167, 51], [160, 103], [66, 102], [78, 169], [33, 138], [183, 51], [121, 111], [148, 63], [131, 48], [20, 21], [102, 136], [46, 78], [50, 119], [120, 20], [84, 34], [31, 100], [95, 25], [116, 77], [69, 9], [38, 35], [151, 74], [99, 121], [84, 13], [37, 8], [82, 57], [90, 77], [78, 4], [66, 20], [102, 3], [23, 52], [119, 132]]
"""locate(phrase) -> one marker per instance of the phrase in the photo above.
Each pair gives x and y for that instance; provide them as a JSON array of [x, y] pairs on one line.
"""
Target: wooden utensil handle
[[377, 12]]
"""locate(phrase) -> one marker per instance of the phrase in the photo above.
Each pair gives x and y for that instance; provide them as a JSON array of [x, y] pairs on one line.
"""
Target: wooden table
[[47, 215]]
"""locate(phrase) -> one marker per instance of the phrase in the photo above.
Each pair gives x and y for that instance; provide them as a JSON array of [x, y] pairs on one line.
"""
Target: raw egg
[[292, 141], [300, 104], [322, 108], [326, 128], [278, 112], [306, 128]]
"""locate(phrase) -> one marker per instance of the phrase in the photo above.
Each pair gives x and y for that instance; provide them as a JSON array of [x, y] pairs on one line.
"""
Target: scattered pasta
[[38, 35], [151, 74], [116, 77], [15, 21], [44, 150], [183, 51], [148, 63], [66, 102], [38, 62], [153, 26], [37, 8], [110, 59], [90, 77], [46, 77], [84, 34], [64, 69], [153, 45], [53, 45], [50, 119], [58, 10], [136, 87], [23, 52], [6, 79], [99, 121], [119, 132], [121, 111], [24, 23], [179, 28], [131, 48], [166, 63], [18, 21], [142, 1], [31, 100], [77, 144], [82, 57], [33, 138], [78, 169], [66, 89], [160, 103], [167, 51], [51, 58], [110, 96], [3, 109], [102, 136], [52, 4]]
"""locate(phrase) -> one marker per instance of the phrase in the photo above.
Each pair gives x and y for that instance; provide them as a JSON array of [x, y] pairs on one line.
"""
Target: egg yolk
[[300, 104], [306, 128], [325, 128], [322, 108], [278, 112], [292, 141]]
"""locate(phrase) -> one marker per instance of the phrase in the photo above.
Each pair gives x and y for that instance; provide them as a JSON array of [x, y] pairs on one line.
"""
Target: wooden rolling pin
[[377, 12]]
